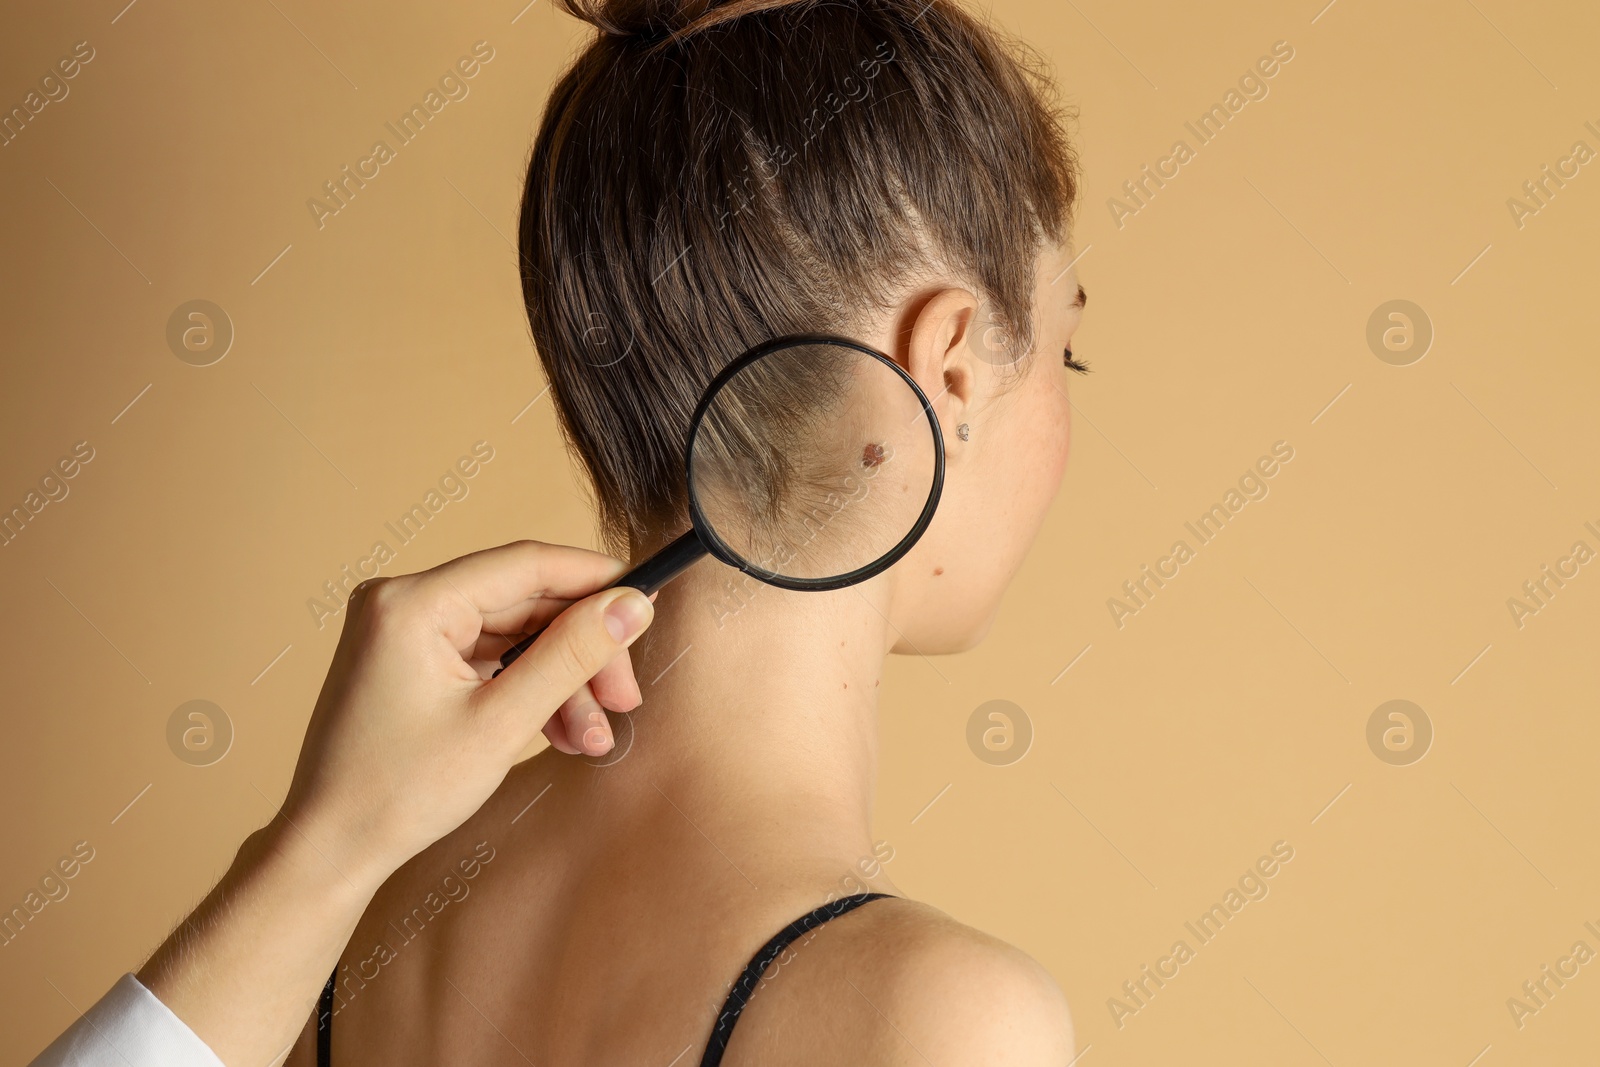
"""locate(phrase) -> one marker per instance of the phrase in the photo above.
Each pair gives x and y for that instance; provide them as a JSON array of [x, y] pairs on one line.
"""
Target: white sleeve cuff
[[128, 1027]]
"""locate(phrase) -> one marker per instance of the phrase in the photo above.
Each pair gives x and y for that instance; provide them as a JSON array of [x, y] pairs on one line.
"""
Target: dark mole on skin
[[938, 571], [872, 454]]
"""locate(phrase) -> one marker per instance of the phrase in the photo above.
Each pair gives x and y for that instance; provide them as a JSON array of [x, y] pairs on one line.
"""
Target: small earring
[[964, 432]]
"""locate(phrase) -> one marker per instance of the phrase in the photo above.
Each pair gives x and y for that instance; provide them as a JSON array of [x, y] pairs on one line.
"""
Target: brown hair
[[710, 174]]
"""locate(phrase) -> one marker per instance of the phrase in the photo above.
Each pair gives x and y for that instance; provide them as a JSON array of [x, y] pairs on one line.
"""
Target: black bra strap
[[325, 1022], [745, 987]]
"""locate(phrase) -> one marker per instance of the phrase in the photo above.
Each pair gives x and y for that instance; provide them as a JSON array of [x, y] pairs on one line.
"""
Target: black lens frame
[[720, 549]]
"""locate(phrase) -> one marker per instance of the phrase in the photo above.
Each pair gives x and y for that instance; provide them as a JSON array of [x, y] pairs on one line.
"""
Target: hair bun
[[660, 19]]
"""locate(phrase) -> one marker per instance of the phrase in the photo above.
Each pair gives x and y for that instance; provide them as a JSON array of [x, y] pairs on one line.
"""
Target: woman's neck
[[759, 723], [774, 688]]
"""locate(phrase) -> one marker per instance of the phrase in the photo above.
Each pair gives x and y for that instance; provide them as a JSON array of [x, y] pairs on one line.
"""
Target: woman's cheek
[[1054, 420], [1063, 449]]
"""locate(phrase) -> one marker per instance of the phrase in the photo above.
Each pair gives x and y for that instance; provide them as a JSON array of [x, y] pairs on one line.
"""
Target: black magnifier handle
[[647, 577]]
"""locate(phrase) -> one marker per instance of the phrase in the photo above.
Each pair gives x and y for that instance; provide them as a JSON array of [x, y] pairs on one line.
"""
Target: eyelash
[[1073, 364]]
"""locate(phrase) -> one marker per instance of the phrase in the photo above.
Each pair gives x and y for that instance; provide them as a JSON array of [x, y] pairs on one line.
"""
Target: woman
[[708, 176]]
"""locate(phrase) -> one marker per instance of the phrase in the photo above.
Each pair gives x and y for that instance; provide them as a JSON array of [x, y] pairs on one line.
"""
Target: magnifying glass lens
[[815, 462]]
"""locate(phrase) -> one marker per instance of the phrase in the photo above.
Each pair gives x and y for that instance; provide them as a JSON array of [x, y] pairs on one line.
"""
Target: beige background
[[1226, 315]]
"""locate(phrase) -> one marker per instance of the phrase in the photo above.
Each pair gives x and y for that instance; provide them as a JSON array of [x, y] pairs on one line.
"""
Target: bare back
[[528, 936]]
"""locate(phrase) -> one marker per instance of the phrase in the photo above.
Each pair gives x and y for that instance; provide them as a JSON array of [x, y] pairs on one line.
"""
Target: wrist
[[321, 863], [244, 969]]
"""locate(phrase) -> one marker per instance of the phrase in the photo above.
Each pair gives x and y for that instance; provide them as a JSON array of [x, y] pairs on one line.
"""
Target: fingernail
[[597, 741], [627, 616]]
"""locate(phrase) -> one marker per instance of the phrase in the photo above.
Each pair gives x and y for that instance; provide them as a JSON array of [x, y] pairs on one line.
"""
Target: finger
[[556, 731], [494, 642], [585, 720], [492, 584], [615, 686], [503, 629], [574, 648]]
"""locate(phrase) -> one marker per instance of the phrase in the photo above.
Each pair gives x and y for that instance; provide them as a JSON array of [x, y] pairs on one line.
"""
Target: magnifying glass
[[814, 463]]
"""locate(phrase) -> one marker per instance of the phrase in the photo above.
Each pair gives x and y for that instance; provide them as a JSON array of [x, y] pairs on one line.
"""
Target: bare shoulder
[[979, 999], [900, 982]]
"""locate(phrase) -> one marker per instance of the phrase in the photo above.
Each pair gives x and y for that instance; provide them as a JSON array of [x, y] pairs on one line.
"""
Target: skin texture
[[625, 894]]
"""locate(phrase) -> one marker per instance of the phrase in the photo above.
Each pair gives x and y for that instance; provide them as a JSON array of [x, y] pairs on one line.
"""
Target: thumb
[[570, 651]]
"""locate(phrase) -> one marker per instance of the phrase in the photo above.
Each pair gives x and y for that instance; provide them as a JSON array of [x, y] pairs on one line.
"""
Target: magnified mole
[[872, 455]]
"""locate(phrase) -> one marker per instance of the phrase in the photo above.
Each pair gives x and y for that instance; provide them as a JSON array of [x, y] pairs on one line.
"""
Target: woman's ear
[[938, 353]]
